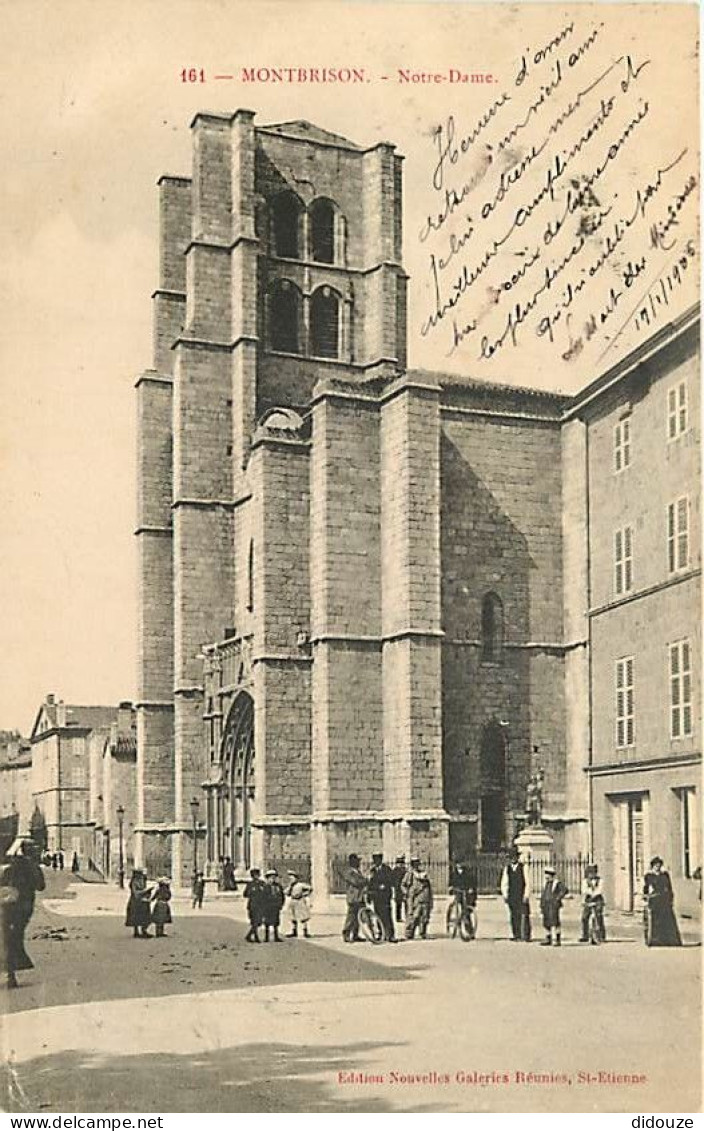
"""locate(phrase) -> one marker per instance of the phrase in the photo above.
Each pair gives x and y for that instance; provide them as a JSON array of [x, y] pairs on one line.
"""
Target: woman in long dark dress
[[138, 910], [20, 879], [661, 924]]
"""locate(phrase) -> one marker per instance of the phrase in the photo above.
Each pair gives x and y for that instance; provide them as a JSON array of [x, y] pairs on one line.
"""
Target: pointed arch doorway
[[238, 791]]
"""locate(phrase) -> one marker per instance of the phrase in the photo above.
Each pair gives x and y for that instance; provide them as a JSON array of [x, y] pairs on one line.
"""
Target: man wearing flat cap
[[551, 897], [274, 900], [255, 894], [398, 872]]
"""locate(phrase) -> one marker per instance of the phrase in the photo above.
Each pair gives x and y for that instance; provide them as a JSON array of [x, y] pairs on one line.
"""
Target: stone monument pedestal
[[535, 845]]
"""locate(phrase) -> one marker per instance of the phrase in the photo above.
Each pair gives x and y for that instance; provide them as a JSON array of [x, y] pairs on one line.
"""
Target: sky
[[93, 110]]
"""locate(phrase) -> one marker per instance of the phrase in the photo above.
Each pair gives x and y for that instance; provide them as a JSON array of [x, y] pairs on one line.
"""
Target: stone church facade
[[363, 605]]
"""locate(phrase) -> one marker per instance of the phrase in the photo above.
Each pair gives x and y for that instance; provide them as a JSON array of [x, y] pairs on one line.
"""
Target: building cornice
[[640, 594], [151, 377], [501, 414], [672, 761], [626, 365], [162, 530]]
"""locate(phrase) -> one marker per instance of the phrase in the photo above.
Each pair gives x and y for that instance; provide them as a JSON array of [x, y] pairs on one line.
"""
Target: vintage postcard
[[350, 562]]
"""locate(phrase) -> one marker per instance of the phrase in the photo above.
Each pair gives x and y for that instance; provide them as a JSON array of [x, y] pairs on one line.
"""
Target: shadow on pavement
[[96, 959], [261, 1077]]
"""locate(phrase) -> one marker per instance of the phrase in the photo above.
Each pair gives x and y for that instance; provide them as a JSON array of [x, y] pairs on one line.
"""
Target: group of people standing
[[406, 888], [265, 902], [516, 893], [147, 905], [658, 904]]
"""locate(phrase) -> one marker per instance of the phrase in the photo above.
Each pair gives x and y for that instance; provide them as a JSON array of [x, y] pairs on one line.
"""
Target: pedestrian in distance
[[592, 903], [551, 898], [228, 872], [75, 864], [21, 878], [515, 892], [660, 920], [399, 871], [255, 894], [298, 894], [198, 890], [380, 888], [418, 896], [138, 915], [55, 861], [355, 892], [61, 861], [161, 906], [274, 900]]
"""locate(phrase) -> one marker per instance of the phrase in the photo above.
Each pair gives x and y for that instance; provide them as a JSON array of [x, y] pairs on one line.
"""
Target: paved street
[[202, 1021]]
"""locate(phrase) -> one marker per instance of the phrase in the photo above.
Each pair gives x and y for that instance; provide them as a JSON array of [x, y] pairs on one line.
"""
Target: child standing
[[161, 907], [298, 893], [273, 902], [592, 897], [552, 895], [198, 889]]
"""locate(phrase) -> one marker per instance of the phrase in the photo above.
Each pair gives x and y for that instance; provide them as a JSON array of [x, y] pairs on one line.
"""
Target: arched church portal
[[238, 796]]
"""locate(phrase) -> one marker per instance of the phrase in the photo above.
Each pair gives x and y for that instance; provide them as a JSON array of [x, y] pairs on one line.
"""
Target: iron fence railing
[[486, 868]]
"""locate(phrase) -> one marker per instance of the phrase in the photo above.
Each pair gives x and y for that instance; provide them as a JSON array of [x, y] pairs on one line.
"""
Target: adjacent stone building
[[15, 784], [70, 777], [366, 607], [637, 431], [113, 792]]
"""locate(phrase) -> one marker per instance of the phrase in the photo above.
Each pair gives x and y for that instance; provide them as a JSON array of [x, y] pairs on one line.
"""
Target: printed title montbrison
[[352, 75]]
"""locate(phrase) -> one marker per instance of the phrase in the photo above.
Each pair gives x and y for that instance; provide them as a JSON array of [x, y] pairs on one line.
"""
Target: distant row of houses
[[74, 781]]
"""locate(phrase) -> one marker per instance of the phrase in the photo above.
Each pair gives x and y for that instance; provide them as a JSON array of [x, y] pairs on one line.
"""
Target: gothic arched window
[[325, 323], [285, 317], [492, 628], [322, 231], [286, 210]]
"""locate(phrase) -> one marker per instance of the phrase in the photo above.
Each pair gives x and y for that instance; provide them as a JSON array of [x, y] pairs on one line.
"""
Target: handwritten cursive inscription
[[546, 211]]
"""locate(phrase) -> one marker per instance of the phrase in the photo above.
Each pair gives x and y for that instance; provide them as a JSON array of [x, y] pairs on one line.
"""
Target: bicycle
[[370, 925], [461, 918], [594, 926]]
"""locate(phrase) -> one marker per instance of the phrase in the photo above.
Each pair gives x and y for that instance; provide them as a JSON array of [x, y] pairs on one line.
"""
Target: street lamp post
[[195, 805], [121, 864]]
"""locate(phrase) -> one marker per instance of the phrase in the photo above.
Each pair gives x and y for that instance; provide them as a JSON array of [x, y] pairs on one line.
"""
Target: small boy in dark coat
[[273, 902], [255, 894], [551, 897], [198, 889]]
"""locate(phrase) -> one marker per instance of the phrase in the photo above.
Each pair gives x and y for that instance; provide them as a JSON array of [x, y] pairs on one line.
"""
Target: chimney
[[60, 713], [50, 700]]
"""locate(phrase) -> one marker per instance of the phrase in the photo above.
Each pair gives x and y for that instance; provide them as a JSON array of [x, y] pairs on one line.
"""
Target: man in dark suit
[[355, 889], [380, 888], [516, 894], [551, 897]]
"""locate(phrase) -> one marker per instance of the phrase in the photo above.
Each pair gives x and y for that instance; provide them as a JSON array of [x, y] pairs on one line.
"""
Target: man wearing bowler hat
[[380, 888]]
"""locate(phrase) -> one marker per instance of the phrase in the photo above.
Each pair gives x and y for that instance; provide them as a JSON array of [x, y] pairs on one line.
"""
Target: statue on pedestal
[[534, 797]]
